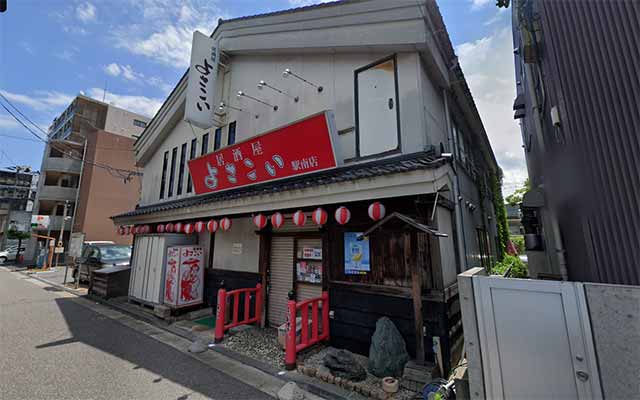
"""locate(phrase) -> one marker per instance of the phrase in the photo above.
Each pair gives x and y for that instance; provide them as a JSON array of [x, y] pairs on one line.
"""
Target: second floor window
[[192, 155], [172, 172], [139, 124], [231, 138], [163, 180], [217, 139], [183, 157], [205, 144]]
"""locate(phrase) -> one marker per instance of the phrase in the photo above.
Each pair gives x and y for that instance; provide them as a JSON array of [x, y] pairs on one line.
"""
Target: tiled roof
[[394, 165]]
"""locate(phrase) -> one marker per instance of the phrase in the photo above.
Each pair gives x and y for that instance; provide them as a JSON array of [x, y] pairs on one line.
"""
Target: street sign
[[59, 250], [40, 221], [75, 244]]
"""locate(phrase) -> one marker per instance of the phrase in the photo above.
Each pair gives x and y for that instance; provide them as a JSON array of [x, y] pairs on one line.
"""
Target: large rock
[[388, 352], [343, 364]]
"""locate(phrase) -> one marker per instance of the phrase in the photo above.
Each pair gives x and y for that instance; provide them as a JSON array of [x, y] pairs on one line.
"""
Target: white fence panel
[[535, 339]]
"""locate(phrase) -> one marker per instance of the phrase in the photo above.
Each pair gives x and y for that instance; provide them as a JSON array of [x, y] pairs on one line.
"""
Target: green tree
[[515, 198], [501, 214]]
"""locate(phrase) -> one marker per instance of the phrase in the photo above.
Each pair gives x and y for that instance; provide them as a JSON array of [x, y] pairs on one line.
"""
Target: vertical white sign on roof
[[201, 87]]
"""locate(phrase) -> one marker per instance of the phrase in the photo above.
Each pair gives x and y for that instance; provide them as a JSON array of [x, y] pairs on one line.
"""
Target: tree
[[15, 234], [515, 198]]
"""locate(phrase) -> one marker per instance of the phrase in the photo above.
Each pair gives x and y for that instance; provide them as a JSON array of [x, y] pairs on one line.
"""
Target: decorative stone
[[197, 347], [331, 378], [343, 364], [337, 380], [291, 391], [388, 352]]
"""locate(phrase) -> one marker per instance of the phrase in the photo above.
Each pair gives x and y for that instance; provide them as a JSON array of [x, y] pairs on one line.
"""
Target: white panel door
[[377, 122], [535, 339]]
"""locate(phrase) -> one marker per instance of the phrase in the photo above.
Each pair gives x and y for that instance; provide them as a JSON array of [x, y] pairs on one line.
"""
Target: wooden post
[[416, 293]]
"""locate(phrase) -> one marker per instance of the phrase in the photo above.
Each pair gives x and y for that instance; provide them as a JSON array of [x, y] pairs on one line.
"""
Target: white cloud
[[166, 29], [302, 3], [112, 69], [127, 72], [86, 12], [476, 4], [147, 106], [39, 100], [7, 122], [488, 67]]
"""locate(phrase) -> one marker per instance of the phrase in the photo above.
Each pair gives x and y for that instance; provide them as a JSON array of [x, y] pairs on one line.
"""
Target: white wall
[[447, 248], [120, 122], [242, 233], [335, 72]]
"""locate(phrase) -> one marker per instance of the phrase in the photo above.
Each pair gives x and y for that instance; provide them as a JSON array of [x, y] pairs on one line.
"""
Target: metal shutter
[[280, 279], [306, 291]]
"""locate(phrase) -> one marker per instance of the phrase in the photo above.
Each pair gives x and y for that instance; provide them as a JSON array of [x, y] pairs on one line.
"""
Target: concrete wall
[[120, 122], [335, 72], [615, 322], [101, 194], [239, 239], [448, 253]]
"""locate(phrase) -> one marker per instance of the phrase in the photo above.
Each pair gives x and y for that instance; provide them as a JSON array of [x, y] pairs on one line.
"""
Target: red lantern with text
[[299, 218], [121, 230], [319, 216], [188, 229], [260, 221], [277, 220], [148, 229], [199, 226], [343, 215], [376, 211], [178, 227], [169, 227], [212, 225], [225, 224], [160, 228], [127, 230]]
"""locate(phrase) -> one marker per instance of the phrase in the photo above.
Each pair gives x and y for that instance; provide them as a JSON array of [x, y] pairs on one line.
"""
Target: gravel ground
[[260, 344], [315, 360]]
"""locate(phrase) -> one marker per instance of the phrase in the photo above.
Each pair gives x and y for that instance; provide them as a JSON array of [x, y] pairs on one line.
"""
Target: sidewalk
[[253, 372]]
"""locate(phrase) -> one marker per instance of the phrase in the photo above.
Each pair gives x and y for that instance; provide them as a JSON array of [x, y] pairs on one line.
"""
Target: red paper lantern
[[343, 215], [188, 229], [376, 211], [225, 224], [149, 229], [169, 227], [199, 226], [277, 220], [260, 221], [120, 230], [319, 216], [127, 230], [160, 228], [212, 225], [178, 227], [299, 218]]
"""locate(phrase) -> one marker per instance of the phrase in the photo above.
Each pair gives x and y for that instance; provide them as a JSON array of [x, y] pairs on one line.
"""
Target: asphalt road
[[53, 348]]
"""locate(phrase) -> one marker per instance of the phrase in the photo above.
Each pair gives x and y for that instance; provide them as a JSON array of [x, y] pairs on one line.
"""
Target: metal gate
[[280, 279], [535, 339]]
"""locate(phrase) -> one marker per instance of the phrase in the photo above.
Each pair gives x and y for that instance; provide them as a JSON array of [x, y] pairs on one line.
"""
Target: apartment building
[[17, 192], [90, 146]]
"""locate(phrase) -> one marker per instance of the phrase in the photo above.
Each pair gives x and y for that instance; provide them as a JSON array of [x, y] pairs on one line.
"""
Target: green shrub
[[518, 241], [518, 268]]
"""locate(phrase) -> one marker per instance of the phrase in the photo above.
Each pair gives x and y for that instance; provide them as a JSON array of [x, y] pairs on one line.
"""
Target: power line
[[124, 174], [19, 138], [24, 116], [8, 158]]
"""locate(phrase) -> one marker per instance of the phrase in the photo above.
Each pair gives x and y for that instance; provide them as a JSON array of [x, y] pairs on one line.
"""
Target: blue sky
[[52, 50]]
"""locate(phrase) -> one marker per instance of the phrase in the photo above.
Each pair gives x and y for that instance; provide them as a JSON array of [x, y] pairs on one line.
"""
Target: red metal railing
[[292, 348], [234, 296]]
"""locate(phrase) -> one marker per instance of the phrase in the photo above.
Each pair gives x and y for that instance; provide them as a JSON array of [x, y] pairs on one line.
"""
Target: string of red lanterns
[[319, 216]]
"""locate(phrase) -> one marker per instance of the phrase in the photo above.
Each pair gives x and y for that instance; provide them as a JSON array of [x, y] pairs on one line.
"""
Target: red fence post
[[220, 315], [290, 342], [258, 303], [325, 315]]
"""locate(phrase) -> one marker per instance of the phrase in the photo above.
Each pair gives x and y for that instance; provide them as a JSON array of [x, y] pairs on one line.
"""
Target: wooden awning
[[408, 220]]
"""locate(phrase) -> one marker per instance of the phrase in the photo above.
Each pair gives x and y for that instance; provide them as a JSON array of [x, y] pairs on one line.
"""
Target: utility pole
[[64, 218]]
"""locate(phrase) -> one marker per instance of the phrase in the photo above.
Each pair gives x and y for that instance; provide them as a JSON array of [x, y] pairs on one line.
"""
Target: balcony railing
[[57, 193], [62, 164]]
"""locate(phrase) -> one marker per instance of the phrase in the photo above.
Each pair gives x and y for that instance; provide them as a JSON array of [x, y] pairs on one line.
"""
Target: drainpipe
[[75, 204], [462, 242]]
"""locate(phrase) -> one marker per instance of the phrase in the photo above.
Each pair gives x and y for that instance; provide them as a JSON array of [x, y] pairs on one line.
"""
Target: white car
[[10, 253]]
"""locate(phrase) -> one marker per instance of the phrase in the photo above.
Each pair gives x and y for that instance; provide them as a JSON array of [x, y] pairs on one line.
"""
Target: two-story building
[[373, 85]]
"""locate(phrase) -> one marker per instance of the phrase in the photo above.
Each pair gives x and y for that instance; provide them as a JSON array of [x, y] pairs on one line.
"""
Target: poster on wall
[[312, 253], [191, 275], [309, 272], [171, 276], [356, 254]]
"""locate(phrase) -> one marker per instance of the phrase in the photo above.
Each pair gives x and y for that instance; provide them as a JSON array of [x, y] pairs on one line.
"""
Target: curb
[[306, 383]]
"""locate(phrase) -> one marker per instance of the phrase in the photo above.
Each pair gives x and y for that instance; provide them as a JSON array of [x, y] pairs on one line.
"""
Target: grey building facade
[[578, 96]]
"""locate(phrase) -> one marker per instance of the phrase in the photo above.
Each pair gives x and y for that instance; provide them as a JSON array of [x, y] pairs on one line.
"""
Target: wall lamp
[[263, 84], [242, 94], [224, 106], [287, 73]]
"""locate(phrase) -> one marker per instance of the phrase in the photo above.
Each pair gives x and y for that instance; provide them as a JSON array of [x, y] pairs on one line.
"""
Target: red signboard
[[298, 148]]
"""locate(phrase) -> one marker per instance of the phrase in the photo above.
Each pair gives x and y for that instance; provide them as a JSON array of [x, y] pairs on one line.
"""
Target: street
[[52, 347]]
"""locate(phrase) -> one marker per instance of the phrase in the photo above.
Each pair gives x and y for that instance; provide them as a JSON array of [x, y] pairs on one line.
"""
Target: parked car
[[10, 253], [100, 255]]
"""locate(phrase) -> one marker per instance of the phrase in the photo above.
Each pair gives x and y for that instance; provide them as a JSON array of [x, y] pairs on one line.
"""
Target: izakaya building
[[334, 147]]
